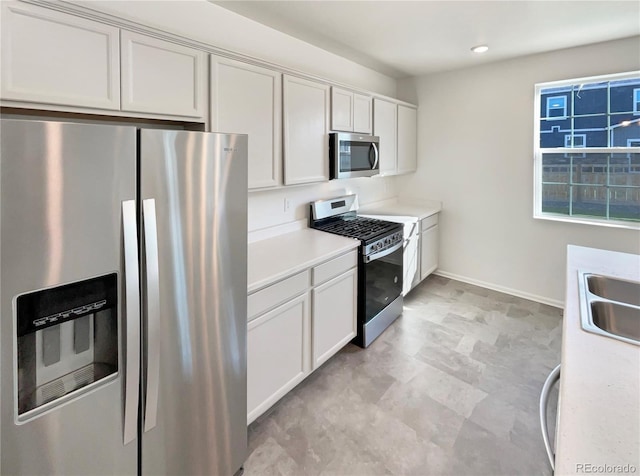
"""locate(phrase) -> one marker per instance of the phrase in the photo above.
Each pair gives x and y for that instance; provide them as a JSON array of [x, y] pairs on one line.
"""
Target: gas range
[[380, 264], [376, 235]]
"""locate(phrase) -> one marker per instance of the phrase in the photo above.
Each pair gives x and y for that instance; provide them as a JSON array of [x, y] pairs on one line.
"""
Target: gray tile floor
[[452, 387]]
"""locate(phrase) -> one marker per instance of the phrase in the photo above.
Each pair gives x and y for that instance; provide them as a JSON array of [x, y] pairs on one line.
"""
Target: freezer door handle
[[132, 317], [152, 312]]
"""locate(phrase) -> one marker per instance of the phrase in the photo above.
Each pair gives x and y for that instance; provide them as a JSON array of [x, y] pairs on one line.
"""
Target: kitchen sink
[[617, 319], [610, 307], [614, 289]]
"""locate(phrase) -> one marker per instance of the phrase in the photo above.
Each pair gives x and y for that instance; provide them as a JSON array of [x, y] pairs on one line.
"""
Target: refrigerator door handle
[[152, 312], [132, 316]]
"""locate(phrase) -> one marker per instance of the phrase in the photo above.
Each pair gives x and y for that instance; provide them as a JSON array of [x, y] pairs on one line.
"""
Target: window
[[556, 107], [579, 140], [587, 150]]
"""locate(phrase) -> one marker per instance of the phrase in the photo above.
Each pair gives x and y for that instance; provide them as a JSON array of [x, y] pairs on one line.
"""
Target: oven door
[[353, 155], [381, 281]]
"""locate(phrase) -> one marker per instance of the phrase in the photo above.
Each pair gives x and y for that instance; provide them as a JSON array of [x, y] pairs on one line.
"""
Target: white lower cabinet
[[295, 327], [429, 246], [278, 347], [334, 316]]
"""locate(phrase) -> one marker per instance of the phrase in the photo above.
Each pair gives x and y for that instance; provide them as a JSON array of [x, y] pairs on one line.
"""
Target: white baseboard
[[502, 289]]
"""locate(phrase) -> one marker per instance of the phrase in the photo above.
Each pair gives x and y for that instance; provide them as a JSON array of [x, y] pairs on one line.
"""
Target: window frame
[[636, 101], [538, 151]]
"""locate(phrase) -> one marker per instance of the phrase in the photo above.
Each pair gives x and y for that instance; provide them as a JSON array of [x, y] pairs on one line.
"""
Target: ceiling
[[412, 38]]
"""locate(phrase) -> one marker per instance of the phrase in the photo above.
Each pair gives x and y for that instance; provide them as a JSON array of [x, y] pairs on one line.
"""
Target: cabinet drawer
[[334, 267], [429, 222], [271, 296]]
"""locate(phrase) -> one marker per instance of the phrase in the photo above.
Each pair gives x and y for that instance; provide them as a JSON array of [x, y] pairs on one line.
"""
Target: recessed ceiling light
[[480, 49]]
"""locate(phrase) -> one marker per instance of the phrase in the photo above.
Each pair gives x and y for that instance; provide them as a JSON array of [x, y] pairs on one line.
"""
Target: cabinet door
[[362, 116], [334, 315], [385, 123], [247, 99], [278, 350], [306, 128], [54, 58], [407, 139], [429, 251], [162, 77], [341, 110]]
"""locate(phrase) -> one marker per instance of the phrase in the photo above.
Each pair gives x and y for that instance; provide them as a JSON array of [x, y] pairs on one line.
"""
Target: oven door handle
[[383, 253]]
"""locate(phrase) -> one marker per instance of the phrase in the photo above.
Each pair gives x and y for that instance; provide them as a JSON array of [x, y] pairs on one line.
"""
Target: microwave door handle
[[152, 312], [376, 155], [132, 320]]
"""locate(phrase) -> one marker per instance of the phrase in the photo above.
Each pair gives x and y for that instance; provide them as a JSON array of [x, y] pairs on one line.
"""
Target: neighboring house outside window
[[556, 107], [598, 179], [575, 140]]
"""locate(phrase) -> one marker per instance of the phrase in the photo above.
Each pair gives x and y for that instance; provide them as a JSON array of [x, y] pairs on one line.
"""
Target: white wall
[[267, 208], [475, 153], [208, 23]]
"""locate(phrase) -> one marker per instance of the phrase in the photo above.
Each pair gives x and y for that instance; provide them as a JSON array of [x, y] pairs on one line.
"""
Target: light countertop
[[275, 258], [599, 405], [398, 207]]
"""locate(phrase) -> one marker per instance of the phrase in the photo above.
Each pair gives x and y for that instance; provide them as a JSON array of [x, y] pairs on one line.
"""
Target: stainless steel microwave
[[353, 155]]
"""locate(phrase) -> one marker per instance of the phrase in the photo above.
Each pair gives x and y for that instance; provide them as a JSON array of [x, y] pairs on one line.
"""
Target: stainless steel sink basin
[[610, 307], [617, 319], [614, 289]]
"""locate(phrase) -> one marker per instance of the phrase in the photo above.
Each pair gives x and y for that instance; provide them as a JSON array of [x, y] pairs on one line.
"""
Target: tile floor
[[451, 388]]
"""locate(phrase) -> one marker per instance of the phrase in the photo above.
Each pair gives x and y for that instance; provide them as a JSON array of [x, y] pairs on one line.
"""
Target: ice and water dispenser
[[67, 340]]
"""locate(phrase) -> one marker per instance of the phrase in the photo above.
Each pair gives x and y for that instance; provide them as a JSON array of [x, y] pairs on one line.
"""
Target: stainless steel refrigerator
[[123, 300]]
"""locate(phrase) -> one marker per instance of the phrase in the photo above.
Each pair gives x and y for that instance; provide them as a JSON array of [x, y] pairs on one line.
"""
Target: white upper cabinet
[[162, 77], [53, 58], [407, 139], [396, 125], [350, 111], [306, 129], [341, 109], [362, 114], [385, 123], [247, 99]]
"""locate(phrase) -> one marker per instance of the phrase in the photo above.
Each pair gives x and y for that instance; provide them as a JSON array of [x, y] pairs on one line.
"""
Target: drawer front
[[271, 296], [429, 222], [334, 267]]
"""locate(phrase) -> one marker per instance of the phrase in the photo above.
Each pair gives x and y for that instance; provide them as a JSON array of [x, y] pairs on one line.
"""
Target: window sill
[[588, 221]]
